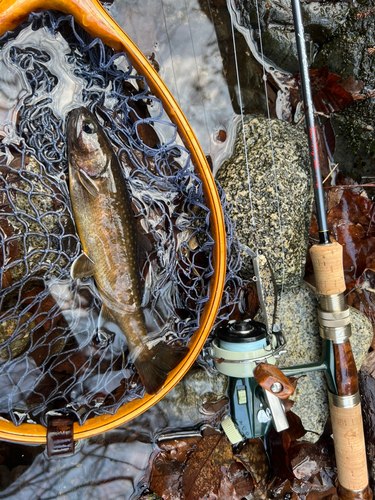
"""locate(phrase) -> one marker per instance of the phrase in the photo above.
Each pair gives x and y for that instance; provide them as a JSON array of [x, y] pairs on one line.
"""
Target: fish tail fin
[[153, 365]]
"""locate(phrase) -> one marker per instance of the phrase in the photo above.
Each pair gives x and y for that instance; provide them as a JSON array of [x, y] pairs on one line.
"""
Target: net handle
[[94, 19]]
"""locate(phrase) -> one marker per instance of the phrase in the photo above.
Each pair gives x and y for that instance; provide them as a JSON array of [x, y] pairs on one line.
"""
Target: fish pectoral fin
[[105, 316], [83, 267], [88, 183]]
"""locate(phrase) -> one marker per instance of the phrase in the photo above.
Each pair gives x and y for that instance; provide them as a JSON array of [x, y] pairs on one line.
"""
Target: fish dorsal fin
[[83, 267], [88, 183]]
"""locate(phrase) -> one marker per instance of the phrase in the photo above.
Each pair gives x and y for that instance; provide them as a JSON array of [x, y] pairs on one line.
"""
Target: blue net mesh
[[50, 359]]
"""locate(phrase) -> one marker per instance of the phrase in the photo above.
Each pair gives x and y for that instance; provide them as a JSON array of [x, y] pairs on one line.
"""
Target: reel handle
[[345, 406], [272, 379]]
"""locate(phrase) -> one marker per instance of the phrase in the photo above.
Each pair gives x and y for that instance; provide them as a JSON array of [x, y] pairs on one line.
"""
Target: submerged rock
[[298, 312], [276, 219], [35, 218], [321, 21], [193, 401], [22, 324], [355, 140], [350, 53]]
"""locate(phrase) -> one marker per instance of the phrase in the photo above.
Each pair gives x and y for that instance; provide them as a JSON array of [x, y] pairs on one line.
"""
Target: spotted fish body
[[106, 227]]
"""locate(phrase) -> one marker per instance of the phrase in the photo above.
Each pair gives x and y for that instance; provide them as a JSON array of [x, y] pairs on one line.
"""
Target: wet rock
[[5, 477], [101, 472], [35, 217], [347, 53], [20, 323], [242, 61], [192, 401], [258, 221], [355, 140], [321, 21], [280, 47], [350, 53], [298, 313], [367, 389]]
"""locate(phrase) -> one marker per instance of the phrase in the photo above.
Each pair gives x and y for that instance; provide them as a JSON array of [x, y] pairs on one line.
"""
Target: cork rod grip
[[328, 268], [349, 447]]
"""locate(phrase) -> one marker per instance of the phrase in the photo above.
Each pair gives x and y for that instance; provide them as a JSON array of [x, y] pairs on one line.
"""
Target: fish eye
[[88, 127]]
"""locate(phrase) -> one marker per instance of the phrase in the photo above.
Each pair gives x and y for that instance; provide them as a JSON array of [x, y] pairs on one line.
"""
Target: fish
[[111, 245]]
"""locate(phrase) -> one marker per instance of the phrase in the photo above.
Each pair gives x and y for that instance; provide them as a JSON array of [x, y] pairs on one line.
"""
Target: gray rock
[[279, 44], [183, 406], [10, 350], [346, 53], [321, 22], [40, 216], [258, 223], [355, 140], [349, 54], [298, 312]]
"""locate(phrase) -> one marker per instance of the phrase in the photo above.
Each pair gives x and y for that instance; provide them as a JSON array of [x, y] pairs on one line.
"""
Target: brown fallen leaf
[[178, 449], [192, 468], [314, 471], [333, 197], [280, 446], [353, 87], [253, 457], [168, 467], [249, 303], [362, 295], [226, 490], [241, 479], [330, 494], [165, 480], [222, 454], [330, 93], [10, 248], [214, 411], [354, 208], [310, 460], [357, 247], [201, 476]]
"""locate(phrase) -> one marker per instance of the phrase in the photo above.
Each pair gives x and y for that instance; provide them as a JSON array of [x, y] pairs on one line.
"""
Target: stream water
[[192, 44]]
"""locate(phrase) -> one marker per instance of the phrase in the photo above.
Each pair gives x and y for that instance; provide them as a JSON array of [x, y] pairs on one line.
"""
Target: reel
[[246, 352], [237, 350]]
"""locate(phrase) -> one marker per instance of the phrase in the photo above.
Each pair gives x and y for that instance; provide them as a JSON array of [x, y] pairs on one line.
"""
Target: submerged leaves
[[330, 93], [194, 468]]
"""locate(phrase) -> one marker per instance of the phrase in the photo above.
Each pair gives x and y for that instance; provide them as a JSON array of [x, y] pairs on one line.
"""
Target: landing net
[[50, 357]]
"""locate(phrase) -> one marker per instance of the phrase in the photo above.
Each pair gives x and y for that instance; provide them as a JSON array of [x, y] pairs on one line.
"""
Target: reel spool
[[237, 350]]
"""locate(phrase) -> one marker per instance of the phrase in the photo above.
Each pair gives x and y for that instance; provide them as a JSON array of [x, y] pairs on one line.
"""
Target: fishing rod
[[333, 314], [246, 353]]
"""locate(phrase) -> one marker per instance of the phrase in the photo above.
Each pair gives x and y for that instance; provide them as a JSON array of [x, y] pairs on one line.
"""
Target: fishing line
[[243, 128], [271, 141], [170, 51], [273, 157], [198, 74]]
